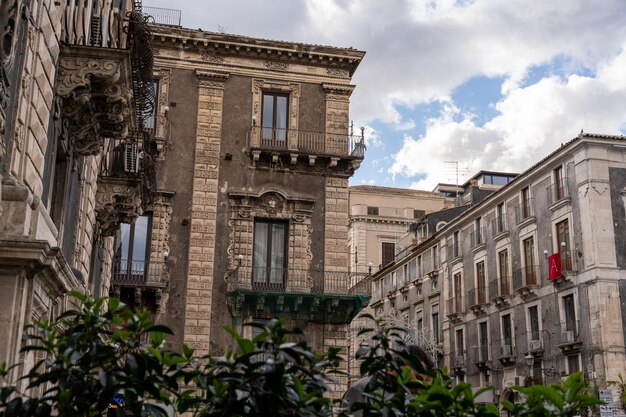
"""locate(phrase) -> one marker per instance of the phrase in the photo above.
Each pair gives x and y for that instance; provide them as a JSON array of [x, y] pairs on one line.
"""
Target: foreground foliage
[[99, 348]]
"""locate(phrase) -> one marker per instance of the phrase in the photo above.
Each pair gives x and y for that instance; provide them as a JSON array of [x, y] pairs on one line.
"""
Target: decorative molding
[[276, 65], [337, 90], [294, 91], [116, 202], [336, 72], [212, 79], [212, 58], [96, 101]]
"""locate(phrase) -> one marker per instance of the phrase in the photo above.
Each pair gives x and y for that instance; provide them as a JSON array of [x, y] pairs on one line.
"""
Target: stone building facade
[[75, 88], [256, 165], [527, 285]]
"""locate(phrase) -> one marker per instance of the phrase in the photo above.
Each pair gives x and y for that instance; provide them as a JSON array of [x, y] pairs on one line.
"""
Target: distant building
[[529, 283]]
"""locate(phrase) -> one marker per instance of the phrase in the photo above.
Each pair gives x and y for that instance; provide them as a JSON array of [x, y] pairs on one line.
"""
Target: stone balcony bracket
[[117, 201], [95, 86]]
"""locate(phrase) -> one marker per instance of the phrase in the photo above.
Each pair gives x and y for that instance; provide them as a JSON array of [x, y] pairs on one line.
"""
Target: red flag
[[554, 266]]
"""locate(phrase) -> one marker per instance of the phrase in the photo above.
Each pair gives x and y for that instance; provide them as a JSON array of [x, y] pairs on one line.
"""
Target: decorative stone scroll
[[116, 202], [97, 101]]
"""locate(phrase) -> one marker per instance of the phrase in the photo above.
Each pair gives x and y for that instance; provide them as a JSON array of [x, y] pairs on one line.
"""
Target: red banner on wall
[[554, 266]]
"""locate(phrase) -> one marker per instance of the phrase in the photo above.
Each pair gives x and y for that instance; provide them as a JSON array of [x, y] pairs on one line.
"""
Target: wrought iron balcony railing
[[322, 143], [525, 277], [477, 237], [477, 296], [130, 273], [557, 191], [524, 210], [291, 280], [498, 225], [500, 287]]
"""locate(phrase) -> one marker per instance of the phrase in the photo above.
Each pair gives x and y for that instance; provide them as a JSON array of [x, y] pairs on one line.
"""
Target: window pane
[[268, 111], [281, 112], [260, 252], [140, 239], [277, 258]]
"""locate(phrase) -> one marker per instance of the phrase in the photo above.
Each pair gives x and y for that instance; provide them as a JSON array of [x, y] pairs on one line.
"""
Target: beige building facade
[[527, 285], [74, 92]]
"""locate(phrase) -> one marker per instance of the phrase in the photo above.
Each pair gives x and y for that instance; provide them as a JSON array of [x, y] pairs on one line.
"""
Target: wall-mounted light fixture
[[239, 259], [369, 267], [545, 253]]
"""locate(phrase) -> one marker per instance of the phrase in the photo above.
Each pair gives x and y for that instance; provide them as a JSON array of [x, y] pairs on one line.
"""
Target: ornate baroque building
[[257, 155], [526, 284], [76, 163]]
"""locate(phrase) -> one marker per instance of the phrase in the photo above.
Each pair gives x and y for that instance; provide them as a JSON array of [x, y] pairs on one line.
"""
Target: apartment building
[[526, 285]]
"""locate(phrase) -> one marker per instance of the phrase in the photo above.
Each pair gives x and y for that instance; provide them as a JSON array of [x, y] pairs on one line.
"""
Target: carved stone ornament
[[274, 65], [116, 202], [336, 72], [8, 20], [273, 203], [212, 58], [96, 102]]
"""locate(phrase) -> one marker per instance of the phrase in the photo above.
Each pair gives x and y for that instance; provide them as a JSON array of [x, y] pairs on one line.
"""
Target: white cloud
[[532, 122]]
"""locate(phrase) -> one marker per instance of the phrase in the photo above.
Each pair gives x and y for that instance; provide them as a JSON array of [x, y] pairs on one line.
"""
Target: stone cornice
[[219, 76], [339, 89], [215, 46]]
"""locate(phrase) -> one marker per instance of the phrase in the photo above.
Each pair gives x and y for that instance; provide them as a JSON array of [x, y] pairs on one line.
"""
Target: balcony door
[[269, 262], [131, 251], [274, 120]]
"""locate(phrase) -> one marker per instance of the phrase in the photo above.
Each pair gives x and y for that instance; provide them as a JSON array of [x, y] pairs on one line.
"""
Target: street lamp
[[530, 361]]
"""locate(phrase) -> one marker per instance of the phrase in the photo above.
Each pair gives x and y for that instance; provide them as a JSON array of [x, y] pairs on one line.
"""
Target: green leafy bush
[[100, 348]]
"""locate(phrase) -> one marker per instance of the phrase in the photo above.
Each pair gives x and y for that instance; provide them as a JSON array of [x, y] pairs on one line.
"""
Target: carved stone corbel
[[116, 202], [96, 98]]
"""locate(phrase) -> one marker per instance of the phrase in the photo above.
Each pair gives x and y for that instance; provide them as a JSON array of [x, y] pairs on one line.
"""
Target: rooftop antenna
[[456, 171]]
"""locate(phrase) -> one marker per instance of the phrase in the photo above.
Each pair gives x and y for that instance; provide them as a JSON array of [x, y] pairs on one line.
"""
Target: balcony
[[558, 194], [500, 290], [455, 308], [570, 340], [477, 238], [313, 295], [506, 353], [478, 301], [481, 356], [569, 267], [131, 273], [499, 227], [104, 76], [525, 212], [455, 252], [294, 144], [457, 360], [120, 184], [524, 280]]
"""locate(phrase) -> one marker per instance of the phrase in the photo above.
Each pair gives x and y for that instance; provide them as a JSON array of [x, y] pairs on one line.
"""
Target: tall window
[[458, 293], [533, 322], [419, 321], [483, 340], [507, 334], [481, 287], [559, 190], [503, 271], [562, 237], [455, 245], [434, 317], [149, 121], [435, 257], [500, 218], [570, 313], [478, 226], [529, 259], [131, 251], [274, 117], [525, 208], [269, 260], [388, 252], [460, 345]]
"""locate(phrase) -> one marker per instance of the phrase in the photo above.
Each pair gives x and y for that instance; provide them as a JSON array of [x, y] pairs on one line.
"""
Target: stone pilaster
[[337, 117], [200, 274]]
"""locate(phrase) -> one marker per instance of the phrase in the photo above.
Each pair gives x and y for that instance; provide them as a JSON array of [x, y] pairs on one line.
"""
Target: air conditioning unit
[[534, 345], [131, 158], [505, 350], [567, 336]]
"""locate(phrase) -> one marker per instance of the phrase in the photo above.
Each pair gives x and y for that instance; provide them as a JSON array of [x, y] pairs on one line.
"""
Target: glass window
[[274, 117], [507, 331], [483, 340], [131, 250], [533, 322], [481, 285], [529, 261], [269, 254], [388, 252], [434, 316]]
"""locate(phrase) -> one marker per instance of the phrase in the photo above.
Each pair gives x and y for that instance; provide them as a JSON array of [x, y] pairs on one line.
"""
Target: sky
[[451, 87]]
